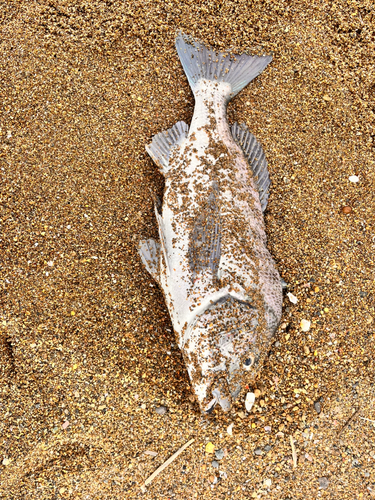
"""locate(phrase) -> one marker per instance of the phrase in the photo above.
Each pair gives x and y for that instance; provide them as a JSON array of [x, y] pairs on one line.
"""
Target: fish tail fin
[[203, 62]]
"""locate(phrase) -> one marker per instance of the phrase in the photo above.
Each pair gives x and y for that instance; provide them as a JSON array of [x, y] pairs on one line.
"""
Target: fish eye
[[248, 362]]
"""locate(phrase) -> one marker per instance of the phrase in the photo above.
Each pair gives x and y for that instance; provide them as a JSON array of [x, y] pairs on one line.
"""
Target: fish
[[220, 282]]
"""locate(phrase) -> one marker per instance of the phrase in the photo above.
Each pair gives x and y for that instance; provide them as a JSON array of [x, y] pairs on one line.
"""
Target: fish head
[[222, 349]]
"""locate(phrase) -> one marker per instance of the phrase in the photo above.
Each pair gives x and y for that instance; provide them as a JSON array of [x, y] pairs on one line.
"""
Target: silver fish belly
[[219, 280]]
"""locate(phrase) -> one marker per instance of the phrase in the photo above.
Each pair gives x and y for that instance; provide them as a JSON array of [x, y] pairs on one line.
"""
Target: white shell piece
[[354, 178], [249, 401], [293, 299], [305, 325]]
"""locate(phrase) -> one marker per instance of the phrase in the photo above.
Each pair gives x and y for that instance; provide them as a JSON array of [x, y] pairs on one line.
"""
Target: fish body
[[219, 280]]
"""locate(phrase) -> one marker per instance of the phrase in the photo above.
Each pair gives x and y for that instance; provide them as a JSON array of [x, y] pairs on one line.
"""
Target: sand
[[87, 352]]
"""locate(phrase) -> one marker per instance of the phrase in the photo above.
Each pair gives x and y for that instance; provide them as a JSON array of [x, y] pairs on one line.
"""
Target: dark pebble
[[362, 294], [323, 483], [284, 284], [317, 407], [161, 410]]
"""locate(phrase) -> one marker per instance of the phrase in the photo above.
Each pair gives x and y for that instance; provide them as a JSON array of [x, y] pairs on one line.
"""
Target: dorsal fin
[[162, 143], [255, 156]]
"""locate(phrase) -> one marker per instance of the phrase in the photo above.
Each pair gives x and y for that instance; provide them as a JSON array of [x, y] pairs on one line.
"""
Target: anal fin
[[257, 159], [162, 144], [149, 251]]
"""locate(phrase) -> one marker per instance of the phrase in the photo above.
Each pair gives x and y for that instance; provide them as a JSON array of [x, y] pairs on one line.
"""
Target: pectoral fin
[[255, 156], [205, 240], [149, 251]]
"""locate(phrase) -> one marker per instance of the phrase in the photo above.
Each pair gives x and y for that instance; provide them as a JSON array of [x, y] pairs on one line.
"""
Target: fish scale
[[220, 283]]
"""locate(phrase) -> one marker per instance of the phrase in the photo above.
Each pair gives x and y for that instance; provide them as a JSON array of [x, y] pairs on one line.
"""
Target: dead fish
[[220, 283]]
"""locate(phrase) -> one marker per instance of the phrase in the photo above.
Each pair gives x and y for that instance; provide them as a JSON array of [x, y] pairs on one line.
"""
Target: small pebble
[[258, 451], [305, 325], [267, 448], [346, 210], [215, 464], [293, 299], [230, 429], [323, 483], [219, 454], [267, 483], [249, 401], [317, 407], [150, 453], [354, 178], [161, 410], [284, 284], [210, 447]]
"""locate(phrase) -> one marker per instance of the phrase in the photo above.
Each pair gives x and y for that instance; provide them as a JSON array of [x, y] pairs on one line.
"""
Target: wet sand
[[87, 352]]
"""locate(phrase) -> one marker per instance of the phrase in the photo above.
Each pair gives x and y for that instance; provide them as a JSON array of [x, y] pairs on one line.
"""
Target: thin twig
[[368, 420], [167, 462], [350, 419], [294, 453]]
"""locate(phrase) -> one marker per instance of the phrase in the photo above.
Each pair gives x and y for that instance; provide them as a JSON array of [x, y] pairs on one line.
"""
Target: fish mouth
[[221, 396]]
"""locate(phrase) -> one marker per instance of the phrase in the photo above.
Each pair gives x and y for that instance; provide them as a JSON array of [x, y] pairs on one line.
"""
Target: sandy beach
[[94, 393]]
